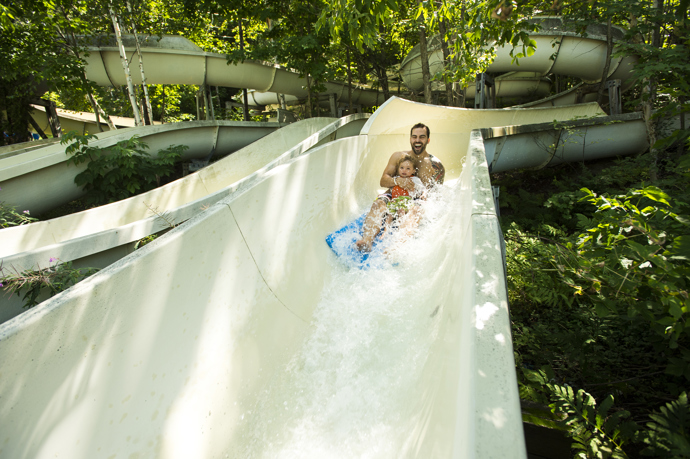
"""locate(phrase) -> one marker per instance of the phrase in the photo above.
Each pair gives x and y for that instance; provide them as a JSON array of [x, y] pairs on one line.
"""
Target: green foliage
[[120, 171], [615, 340], [38, 50], [53, 279], [669, 431], [144, 241], [634, 260], [601, 431], [596, 432], [10, 217]]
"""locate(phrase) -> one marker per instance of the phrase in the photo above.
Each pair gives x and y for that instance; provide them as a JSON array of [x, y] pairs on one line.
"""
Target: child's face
[[406, 169]]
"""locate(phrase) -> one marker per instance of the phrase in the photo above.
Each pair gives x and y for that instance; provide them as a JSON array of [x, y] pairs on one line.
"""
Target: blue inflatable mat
[[342, 242]]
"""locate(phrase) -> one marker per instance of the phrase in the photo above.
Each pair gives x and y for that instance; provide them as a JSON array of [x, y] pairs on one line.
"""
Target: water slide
[[540, 145], [239, 334], [39, 179], [176, 60], [560, 51], [81, 122], [99, 236]]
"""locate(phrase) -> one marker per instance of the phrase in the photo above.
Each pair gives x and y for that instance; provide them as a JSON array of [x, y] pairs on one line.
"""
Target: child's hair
[[402, 160]]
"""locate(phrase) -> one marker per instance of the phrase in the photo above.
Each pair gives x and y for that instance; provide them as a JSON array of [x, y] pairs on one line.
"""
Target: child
[[401, 199]]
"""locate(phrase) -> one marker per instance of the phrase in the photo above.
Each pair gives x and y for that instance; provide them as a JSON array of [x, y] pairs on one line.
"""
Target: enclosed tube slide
[[239, 334], [176, 60], [100, 236], [559, 51]]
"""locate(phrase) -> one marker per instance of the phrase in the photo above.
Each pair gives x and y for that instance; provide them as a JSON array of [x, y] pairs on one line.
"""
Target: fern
[[669, 432], [596, 433]]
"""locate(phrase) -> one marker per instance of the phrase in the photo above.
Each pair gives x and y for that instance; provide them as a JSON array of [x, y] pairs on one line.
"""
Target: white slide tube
[[176, 60], [559, 52], [536, 146]]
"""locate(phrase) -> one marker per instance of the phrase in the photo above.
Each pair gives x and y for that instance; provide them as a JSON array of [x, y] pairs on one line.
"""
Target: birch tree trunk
[[443, 29], [147, 100], [446, 61], [125, 66], [71, 40], [426, 77]]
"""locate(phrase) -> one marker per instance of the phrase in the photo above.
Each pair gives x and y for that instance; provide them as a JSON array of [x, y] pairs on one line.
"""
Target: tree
[[473, 29], [36, 54]]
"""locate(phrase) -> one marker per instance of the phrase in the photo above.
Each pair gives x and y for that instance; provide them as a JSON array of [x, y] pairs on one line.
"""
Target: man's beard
[[422, 147]]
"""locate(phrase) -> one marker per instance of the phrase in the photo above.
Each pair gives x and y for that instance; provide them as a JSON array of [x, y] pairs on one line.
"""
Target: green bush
[[119, 171]]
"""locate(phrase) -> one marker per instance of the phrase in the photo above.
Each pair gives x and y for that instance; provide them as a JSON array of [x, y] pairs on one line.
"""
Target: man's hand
[[405, 183]]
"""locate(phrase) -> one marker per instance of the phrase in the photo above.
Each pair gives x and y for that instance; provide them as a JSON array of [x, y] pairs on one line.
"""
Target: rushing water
[[351, 391]]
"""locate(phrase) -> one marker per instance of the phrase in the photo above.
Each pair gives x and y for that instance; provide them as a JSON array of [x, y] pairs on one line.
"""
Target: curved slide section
[[238, 333], [535, 146], [559, 51], [40, 179], [81, 122], [100, 236], [176, 60]]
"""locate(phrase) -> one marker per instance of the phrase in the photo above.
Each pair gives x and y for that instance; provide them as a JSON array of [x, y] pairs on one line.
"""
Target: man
[[429, 170]]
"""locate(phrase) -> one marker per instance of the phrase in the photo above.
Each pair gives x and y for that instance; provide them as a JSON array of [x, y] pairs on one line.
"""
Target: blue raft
[[342, 242]]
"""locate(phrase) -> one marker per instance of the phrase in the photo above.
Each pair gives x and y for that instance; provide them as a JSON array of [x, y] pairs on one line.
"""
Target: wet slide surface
[[240, 334]]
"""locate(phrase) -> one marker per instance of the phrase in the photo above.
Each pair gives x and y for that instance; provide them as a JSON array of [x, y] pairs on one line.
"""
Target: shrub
[[119, 171]]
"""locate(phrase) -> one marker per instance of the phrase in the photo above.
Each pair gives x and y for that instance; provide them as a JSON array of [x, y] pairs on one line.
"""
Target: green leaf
[[656, 194]]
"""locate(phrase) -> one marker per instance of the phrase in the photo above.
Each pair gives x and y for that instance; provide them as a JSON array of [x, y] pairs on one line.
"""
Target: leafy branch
[[55, 278]]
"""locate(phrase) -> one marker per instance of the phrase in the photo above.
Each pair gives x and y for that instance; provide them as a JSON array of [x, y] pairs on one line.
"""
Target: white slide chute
[[102, 235], [238, 333]]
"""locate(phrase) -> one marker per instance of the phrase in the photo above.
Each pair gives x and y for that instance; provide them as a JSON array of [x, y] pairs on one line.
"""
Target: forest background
[[597, 253]]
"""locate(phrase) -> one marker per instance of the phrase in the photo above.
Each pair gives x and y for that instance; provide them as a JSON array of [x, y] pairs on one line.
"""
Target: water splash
[[351, 390]]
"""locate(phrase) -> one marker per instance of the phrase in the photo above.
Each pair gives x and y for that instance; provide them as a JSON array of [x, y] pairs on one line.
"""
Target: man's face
[[418, 140]]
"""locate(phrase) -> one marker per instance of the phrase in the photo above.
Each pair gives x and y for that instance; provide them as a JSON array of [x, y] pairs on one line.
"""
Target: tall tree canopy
[[361, 41]]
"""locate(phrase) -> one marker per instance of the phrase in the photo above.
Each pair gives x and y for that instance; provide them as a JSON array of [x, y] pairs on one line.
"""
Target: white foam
[[351, 390]]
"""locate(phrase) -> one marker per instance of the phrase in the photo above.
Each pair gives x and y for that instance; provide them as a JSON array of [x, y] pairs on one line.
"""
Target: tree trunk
[[163, 105], [443, 30], [147, 108], [383, 81], [349, 81], [125, 66], [95, 111], [245, 108], [308, 97], [426, 77], [607, 65], [649, 96]]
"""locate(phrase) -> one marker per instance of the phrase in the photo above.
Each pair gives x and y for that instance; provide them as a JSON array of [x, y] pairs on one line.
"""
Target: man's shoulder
[[433, 159], [437, 171]]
